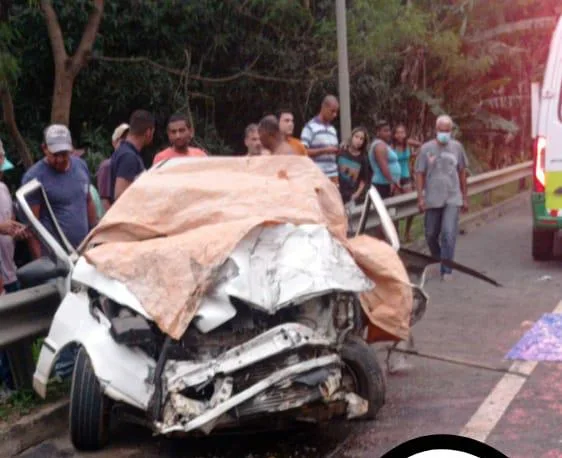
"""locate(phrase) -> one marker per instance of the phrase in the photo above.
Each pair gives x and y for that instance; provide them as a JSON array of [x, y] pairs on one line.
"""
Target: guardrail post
[[20, 356]]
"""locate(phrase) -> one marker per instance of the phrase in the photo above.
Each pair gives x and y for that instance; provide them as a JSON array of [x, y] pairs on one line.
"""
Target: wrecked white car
[[276, 339]]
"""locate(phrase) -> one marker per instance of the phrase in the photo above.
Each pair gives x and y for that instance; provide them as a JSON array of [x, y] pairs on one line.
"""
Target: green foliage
[[226, 63]]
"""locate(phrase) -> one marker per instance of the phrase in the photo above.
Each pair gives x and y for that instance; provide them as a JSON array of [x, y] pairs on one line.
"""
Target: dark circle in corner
[[444, 442]]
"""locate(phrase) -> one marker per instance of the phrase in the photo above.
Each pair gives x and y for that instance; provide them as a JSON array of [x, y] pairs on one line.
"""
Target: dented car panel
[[275, 378], [123, 371], [276, 265], [290, 336]]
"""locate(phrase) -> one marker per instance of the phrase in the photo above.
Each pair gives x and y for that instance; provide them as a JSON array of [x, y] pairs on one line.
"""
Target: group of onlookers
[[385, 162], [392, 162], [354, 164]]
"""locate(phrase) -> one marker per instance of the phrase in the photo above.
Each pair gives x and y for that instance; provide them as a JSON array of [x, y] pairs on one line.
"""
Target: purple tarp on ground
[[543, 342]]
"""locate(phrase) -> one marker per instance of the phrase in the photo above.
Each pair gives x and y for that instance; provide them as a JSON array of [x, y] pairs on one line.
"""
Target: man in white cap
[[66, 181], [104, 171]]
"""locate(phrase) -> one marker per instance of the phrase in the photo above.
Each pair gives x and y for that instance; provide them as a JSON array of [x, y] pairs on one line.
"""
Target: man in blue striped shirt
[[321, 138]]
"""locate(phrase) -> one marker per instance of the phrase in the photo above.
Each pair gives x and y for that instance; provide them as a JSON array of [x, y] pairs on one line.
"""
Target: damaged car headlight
[[126, 326]]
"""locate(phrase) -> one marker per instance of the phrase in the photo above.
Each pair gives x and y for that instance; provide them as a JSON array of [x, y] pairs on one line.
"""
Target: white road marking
[[494, 406]]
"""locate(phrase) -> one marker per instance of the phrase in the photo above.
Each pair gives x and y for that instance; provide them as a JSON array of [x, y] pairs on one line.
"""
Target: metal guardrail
[[406, 205], [27, 313]]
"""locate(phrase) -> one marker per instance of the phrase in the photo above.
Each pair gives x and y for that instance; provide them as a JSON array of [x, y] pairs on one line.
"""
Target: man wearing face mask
[[442, 191], [66, 181]]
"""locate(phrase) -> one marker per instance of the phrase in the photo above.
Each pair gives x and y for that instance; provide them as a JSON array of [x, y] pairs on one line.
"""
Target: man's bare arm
[[106, 204], [420, 183], [92, 213], [463, 183], [120, 186], [464, 188], [319, 151]]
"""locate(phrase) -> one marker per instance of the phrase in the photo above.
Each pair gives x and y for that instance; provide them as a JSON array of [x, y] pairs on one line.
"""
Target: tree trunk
[[67, 67], [10, 120], [62, 98]]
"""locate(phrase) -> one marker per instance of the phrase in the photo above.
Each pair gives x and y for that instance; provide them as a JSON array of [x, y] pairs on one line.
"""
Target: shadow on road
[[308, 441]]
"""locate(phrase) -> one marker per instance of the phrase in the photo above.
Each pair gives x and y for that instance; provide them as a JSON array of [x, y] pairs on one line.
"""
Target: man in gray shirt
[[442, 191]]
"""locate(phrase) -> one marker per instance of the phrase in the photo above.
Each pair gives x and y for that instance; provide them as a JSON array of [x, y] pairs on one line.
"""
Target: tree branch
[[10, 120], [55, 33], [79, 59], [219, 80]]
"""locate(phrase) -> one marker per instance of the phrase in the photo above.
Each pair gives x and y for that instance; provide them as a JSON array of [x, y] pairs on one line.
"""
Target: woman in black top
[[353, 168]]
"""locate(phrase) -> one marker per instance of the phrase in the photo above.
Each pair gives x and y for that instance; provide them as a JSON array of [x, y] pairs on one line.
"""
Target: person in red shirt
[[180, 133]]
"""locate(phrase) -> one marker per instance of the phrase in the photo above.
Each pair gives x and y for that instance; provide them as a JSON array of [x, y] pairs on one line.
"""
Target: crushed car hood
[[169, 235], [271, 268]]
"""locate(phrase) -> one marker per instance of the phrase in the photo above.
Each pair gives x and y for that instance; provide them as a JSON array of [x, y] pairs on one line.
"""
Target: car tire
[[543, 244], [362, 365], [89, 408]]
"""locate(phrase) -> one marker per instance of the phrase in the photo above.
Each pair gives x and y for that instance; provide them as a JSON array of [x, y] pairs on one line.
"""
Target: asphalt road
[[467, 321]]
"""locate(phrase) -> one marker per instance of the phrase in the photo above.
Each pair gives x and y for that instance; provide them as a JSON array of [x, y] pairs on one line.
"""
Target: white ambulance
[[547, 167]]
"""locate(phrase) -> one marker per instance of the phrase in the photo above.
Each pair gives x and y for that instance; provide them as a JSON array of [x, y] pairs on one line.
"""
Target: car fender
[[124, 373]]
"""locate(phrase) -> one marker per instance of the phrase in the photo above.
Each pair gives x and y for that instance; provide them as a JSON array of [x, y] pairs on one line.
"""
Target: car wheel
[[89, 407], [363, 374], [543, 244]]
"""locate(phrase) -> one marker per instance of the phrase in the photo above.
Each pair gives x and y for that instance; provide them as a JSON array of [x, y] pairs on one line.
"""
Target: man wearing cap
[[66, 181], [104, 170]]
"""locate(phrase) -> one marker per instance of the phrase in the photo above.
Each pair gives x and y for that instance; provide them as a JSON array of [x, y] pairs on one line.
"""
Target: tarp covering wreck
[[170, 233]]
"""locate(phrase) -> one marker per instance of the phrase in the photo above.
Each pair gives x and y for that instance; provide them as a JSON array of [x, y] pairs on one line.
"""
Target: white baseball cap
[[58, 139], [119, 131]]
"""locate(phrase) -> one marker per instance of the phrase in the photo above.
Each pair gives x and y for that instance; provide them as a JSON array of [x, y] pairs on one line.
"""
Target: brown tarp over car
[[169, 233]]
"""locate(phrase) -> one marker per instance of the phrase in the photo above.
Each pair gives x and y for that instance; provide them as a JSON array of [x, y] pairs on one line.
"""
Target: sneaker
[[446, 277]]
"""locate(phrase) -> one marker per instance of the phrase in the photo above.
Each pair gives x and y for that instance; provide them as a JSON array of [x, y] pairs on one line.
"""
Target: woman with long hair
[[353, 168], [404, 149]]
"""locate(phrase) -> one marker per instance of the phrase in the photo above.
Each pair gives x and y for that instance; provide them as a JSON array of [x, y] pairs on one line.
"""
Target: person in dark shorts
[[353, 166]]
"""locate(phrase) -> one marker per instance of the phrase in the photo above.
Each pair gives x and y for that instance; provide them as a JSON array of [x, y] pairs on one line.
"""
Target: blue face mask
[[443, 137]]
